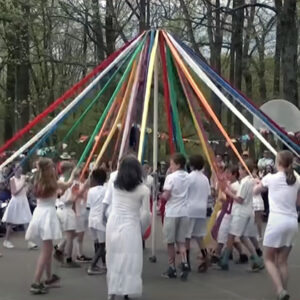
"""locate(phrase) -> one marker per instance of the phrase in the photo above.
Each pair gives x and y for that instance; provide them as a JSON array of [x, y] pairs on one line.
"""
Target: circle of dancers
[[115, 206]]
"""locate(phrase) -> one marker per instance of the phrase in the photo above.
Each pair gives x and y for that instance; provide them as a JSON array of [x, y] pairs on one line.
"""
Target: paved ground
[[17, 267]]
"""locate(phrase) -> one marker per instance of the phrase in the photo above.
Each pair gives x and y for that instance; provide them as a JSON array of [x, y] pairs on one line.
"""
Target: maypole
[[155, 160]]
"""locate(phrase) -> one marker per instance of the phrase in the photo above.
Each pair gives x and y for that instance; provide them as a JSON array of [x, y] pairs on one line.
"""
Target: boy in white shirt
[[198, 193], [95, 197], [241, 216], [176, 222]]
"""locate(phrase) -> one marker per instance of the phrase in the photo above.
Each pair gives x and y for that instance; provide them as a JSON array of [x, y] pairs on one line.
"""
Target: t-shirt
[[177, 183], [282, 197], [198, 193], [234, 187], [245, 192], [109, 191], [95, 197]]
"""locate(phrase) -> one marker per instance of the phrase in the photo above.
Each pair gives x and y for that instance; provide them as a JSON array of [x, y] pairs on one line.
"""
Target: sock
[[225, 257], [188, 257], [96, 247], [69, 260], [102, 252]]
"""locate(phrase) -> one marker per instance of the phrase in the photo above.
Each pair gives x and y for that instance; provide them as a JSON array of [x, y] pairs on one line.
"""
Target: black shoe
[[83, 259], [243, 259], [184, 271], [52, 282], [259, 252], [38, 289], [170, 273], [126, 297]]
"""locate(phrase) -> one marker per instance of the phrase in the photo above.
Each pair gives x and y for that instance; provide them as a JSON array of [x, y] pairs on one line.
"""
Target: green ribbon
[[88, 108], [173, 96], [112, 99]]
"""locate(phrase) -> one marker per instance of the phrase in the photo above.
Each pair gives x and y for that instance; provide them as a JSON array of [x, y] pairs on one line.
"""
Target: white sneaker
[[32, 246], [8, 244]]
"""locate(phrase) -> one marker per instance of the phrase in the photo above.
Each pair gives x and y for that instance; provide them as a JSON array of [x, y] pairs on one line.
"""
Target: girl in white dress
[[18, 209], [129, 217], [282, 227], [44, 227]]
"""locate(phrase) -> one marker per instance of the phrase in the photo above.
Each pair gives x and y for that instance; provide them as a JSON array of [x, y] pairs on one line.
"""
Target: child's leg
[[171, 254], [188, 247], [70, 234], [270, 256], [49, 251], [42, 260], [80, 236], [258, 221], [282, 264], [8, 231]]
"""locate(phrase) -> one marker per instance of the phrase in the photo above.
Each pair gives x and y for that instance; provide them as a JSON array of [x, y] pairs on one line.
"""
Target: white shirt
[[109, 191], [282, 197], [245, 192], [149, 182], [234, 187], [198, 193], [177, 183], [95, 197]]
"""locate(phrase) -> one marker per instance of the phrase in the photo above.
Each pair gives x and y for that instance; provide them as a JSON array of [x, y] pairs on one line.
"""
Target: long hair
[[130, 174], [285, 160], [45, 184]]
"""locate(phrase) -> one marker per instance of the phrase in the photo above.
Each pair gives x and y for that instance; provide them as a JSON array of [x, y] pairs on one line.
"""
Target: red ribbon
[[69, 93]]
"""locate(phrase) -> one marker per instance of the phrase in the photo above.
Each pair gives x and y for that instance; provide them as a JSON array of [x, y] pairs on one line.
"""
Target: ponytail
[[290, 176], [285, 160]]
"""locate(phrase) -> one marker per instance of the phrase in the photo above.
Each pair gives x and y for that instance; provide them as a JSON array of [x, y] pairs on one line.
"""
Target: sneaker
[[184, 272], [283, 295], [223, 266], [170, 273], [70, 265], [256, 267], [52, 282], [38, 289], [8, 244], [58, 255], [32, 246], [83, 259], [95, 271]]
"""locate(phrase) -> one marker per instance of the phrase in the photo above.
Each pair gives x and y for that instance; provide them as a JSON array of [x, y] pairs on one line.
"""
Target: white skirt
[[124, 256], [281, 231], [258, 203], [17, 211], [44, 225], [67, 218]]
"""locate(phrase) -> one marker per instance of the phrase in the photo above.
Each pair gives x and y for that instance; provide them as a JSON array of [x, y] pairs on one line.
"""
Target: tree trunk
[[97, 26], [142, 15], [278, 49], [9, 103], [289, 50], [109, 28], [23, 70]]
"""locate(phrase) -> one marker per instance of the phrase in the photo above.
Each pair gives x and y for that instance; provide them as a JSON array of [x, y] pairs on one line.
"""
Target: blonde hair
[[46, 179], [285, 160]]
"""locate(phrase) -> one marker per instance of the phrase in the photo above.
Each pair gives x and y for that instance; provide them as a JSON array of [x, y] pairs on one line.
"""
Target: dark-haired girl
[[129, 217], [282, 224]]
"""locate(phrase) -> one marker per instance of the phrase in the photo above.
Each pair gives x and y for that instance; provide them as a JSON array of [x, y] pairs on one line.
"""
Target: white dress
[[18, 209], [44, 224], [130, 214], [282, 226]]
